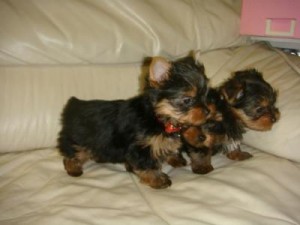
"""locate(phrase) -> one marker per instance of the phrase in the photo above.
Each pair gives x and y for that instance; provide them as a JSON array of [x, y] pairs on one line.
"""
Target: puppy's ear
[[233, 91], [248, 74], [159, 71]]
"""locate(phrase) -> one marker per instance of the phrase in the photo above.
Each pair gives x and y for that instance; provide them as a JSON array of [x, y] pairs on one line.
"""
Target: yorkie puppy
[[249, 102], [199, 141], [141, 131], [245, 101]]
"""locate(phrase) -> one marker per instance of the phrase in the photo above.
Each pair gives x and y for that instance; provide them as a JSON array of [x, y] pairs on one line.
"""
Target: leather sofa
[[51, 50]]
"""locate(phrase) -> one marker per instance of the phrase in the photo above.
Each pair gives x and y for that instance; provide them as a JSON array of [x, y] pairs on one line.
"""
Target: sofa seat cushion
[[35, 189]]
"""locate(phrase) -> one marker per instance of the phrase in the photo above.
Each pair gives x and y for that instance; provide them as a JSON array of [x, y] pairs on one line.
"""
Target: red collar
[[171, 128]]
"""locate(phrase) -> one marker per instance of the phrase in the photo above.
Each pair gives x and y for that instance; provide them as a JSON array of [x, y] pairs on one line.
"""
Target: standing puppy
[[142, 131]]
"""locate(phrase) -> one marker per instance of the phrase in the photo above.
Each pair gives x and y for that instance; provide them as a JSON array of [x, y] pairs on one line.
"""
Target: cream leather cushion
[[32, 98], [97, 31], [282, 72]]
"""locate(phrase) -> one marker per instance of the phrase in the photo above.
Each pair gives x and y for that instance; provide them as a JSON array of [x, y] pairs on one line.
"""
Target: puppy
[[245, 101], [140, 132], [199, 141]]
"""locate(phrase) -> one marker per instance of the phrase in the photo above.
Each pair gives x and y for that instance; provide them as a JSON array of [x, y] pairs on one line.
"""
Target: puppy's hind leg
[[74, 156]]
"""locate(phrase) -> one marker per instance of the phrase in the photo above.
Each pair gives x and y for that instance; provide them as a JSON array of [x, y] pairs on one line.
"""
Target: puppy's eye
[[187, 100], [260, 109]]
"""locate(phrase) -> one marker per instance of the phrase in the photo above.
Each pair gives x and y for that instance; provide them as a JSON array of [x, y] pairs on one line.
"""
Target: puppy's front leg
[[154, 178], [148, 169], [238, 155], [201, 161], [176, 160]]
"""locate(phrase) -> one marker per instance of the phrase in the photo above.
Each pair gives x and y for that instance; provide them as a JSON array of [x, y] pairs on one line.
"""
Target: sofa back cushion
[[49, 51], [32, 99], [106, 32]]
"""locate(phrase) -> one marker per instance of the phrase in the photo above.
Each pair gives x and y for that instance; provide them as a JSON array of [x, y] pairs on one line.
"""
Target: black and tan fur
[[136, 131]]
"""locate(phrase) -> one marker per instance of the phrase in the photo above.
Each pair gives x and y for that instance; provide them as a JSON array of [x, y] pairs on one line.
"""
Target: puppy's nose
[[206, 111], [202, 138], [275, 115]]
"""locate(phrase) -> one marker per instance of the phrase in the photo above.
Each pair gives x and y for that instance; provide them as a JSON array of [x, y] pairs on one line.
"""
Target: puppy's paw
[[73, 167], [160, 182], [154, 178], [202, 169], [238, 155], [176, 161]]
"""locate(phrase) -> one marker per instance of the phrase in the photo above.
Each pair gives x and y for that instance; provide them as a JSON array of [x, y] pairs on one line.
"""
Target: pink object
[[272, 18]]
